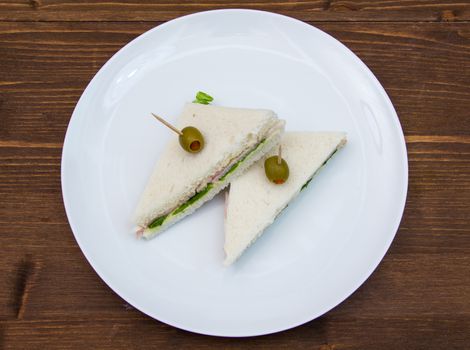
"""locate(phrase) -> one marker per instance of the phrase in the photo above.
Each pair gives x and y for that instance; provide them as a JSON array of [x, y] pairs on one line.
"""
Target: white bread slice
[[229, 133], [254, 202]]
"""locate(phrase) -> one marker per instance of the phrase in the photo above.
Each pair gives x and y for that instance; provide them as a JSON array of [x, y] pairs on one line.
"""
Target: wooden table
[[418, 298]]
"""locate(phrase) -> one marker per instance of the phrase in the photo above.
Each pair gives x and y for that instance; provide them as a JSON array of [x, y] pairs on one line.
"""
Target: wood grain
[[419, 297], [46, 66], [316, 10]]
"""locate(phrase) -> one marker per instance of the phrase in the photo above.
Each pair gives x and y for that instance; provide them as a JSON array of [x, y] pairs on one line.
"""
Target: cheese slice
[[253, 202]]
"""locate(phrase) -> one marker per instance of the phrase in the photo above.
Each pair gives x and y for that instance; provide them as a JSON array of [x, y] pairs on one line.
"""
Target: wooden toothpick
[[279, 153], [164, 122]]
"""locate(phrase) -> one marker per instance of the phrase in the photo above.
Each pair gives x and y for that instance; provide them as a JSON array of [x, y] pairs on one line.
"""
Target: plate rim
[[269, 330]]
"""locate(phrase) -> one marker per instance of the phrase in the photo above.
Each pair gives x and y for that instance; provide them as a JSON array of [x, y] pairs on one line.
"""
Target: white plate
[[322, 248]]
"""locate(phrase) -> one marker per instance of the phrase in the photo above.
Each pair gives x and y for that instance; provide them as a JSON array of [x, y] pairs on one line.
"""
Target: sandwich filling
[[305, 185], [218, 178], [320, 168]]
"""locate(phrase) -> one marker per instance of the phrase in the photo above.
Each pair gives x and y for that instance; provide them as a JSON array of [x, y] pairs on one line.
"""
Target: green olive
[[276, 172], [191, 139]]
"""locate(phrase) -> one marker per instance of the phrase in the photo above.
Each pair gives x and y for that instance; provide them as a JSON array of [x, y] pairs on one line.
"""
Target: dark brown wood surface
[[418, 298]]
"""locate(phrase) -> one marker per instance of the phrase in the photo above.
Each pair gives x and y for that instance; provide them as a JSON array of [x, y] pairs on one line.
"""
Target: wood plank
[[316, 10], [46, 66], [326, 333]]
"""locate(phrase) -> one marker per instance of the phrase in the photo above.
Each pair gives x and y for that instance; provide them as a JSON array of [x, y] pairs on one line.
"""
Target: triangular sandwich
[[181, 182], [253, 202]]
